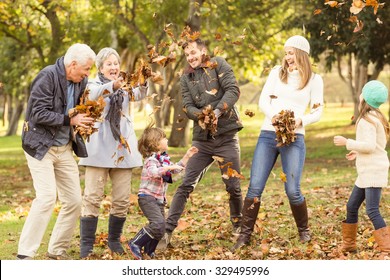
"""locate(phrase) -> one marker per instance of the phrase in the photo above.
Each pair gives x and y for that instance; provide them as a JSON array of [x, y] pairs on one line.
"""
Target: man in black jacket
[[209, 82], [47, 142]]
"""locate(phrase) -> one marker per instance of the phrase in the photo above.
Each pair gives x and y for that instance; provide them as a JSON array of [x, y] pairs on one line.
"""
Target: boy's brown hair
[[150, 140]]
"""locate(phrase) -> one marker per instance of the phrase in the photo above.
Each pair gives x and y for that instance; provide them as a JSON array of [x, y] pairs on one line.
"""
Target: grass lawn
[[204, 230]]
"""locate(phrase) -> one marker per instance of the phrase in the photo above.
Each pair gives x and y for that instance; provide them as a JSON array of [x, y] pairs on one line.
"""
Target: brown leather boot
[[382, 237], [301, 219], [349, 232], [250, 210]]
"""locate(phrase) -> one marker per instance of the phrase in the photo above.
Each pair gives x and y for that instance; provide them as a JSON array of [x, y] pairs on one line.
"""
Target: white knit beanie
[[298, 42]]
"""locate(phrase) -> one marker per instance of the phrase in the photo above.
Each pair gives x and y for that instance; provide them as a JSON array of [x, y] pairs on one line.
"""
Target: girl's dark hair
[[150, 140]]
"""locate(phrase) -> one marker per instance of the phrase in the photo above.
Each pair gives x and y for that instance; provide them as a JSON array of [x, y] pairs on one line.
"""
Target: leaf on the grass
[[182, 224]]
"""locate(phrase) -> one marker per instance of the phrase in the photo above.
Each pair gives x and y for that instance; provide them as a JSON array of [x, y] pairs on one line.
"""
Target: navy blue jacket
[[45, 109]]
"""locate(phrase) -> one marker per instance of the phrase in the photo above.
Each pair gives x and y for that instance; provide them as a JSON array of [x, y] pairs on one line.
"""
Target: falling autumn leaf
[[219, 159], [249, 113], [356, 6], [332, 3], [359, 26], [212, 92], [316, 105], [317, 12], [283, 177], [119, 160], [218, 51]]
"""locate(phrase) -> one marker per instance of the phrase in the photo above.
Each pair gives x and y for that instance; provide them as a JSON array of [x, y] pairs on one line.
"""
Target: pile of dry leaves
[[206, 120], [93, 109], [284, 125]]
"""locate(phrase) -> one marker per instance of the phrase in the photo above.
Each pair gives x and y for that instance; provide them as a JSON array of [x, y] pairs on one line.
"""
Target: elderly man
[[47, 143]]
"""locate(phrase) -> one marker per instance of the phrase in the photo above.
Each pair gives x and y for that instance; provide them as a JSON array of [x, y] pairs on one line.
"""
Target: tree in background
[[35, 32], [355, 33], [32, 35]]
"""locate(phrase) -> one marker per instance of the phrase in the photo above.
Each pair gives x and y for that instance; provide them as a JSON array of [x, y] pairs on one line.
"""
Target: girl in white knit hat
[[372, 165], [291, 87]]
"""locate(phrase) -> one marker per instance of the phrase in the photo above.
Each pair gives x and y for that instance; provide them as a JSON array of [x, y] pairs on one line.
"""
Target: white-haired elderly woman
[[112, 152]]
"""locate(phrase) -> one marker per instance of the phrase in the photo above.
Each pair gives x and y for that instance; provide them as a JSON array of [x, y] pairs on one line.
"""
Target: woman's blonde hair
[[304, 68], [364, 109], [150, 139]]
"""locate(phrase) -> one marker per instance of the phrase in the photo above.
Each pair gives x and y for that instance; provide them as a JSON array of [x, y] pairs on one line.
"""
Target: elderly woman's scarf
[[114, 112]]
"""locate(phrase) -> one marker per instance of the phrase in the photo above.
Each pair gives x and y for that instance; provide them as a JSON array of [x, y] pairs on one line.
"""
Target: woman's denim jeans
[[266, 153], [372, 197]]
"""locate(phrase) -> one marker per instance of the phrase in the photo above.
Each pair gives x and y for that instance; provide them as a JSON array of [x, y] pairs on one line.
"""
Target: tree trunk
[[180, 129], [355, 80], [180, 133], [14, 122], [5, 110]]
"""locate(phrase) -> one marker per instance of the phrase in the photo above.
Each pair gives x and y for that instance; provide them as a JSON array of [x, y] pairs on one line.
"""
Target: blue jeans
[[372, 197], [266, 153]]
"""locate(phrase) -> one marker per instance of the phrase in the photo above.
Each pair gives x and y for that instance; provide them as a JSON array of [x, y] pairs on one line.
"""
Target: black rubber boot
[[138, 242], [150, 247], [115, 227], [88, 227]]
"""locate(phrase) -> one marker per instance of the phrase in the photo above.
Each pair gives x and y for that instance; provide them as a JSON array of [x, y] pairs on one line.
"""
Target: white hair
[[80, 53], [103, 55]]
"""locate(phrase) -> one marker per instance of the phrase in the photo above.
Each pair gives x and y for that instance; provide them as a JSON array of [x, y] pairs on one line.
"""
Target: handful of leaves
[[207, 118], [285, 128], [92, 108]]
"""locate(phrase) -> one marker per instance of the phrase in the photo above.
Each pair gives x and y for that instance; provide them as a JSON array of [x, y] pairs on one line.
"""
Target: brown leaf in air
[[212, 92], [332, 3], [316, 105], [283, 177], [356, 6], [359, 26], [317, 12], [249, 113], [218, 158]]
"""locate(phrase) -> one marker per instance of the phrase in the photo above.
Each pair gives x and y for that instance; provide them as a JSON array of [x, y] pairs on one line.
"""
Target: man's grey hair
[[104, 54], [80, 53]]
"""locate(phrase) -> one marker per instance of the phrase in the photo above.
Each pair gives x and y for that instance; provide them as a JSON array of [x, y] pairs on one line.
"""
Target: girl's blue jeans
[[372, 197], [292, 157]]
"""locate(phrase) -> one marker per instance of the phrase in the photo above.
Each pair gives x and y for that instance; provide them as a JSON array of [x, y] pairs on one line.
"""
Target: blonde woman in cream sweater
[[372, 165], [295, 87]]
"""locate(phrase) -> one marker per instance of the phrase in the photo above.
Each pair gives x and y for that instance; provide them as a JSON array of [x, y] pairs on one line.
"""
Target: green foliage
[[332, 32]]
